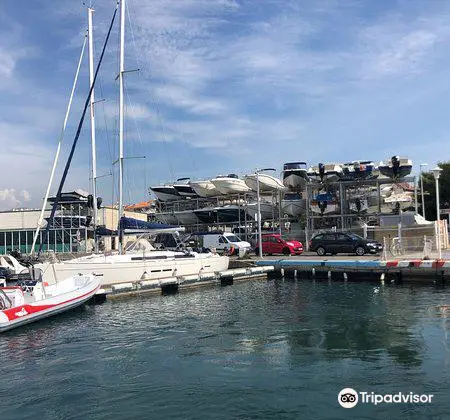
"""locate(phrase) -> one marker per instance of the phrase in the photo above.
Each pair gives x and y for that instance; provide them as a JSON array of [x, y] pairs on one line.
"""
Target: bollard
[[382, 278], [313, 272], [282, 272], [345, 277]]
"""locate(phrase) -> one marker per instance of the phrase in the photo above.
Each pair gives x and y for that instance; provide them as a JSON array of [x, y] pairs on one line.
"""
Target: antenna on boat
[[58, 150], [92, 101]]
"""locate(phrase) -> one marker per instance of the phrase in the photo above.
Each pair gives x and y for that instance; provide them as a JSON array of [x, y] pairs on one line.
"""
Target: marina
[[220, 210]]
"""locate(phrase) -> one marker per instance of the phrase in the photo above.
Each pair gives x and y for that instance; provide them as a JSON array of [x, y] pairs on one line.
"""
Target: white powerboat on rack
[[230, 184], [267, 183], [20, 305], [328, 172], [204, 188], [295, 175]]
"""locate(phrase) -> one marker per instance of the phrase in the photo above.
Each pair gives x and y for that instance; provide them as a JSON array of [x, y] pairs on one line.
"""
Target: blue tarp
[[127, 223]]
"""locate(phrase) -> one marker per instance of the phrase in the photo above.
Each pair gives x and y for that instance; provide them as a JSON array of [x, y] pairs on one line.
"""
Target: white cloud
[[8, 199]]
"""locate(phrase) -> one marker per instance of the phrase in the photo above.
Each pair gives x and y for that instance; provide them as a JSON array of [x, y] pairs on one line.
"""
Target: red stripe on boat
[[391, 263]]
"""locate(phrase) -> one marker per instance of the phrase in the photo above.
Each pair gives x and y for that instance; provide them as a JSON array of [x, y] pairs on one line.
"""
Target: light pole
[[258, 215], [421, 189], [437, 173]]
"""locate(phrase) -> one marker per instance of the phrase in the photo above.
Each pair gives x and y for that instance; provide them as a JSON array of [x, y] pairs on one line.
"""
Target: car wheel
[[320, 251], [256, 251], [360, 250], [286, 251]]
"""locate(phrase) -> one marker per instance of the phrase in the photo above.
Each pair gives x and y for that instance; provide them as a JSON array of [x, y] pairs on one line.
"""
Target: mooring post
[[345, 277], [313, 272], [382, 278], [282, 272]]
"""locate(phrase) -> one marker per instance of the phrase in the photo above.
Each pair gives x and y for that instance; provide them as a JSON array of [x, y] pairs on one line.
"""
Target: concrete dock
[[172, 285], [360, 268]]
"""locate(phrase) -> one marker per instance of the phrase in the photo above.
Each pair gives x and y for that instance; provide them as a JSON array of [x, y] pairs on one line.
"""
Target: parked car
[[340, 242], [274, 244], [221, 241]]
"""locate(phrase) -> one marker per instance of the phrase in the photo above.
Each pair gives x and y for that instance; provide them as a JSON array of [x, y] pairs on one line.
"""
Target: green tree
[[429, 188]]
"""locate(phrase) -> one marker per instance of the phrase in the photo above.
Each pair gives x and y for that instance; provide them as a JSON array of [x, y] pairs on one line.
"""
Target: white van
[[224, 242]]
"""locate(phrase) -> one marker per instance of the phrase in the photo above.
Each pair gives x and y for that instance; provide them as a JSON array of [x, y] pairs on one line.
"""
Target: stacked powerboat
[[204, 188], [325, 172], [267, 183], [396, 167], [230, 184], [295, 175]]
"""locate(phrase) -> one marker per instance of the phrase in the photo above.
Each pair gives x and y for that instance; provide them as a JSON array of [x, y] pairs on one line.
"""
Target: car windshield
[[232, 238]]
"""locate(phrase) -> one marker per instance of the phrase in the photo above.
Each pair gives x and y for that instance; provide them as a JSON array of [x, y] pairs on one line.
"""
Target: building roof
[[143, 205]]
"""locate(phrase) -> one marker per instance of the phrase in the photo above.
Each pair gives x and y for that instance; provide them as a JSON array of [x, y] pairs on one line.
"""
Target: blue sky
[[225, 86]]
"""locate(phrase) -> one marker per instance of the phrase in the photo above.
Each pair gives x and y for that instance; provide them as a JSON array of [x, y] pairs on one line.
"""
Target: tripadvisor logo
[[348, 398]]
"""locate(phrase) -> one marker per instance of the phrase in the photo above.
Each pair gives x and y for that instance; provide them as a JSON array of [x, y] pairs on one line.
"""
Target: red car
[[275, 244]]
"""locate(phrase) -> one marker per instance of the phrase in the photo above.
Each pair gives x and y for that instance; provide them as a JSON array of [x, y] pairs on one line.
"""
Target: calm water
[[256, 350]]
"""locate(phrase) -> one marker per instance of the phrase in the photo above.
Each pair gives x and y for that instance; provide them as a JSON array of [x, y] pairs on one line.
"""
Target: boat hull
[[204, 188], [266, 182], [186, 217], [166, 193], [295, 179], [151, 265], [230, 185], [53, 305], [293, 208]]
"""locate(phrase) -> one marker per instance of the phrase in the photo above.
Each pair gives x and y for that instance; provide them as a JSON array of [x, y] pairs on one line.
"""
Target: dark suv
[[339, 242]]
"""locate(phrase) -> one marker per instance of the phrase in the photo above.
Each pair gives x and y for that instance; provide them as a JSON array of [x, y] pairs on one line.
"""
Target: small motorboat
[[166, 193], [230, 184], [295, 175], [167, 217], [268, 210], [325, 172], [183, 187], [20, 305], [267, 183], [293, 204], [204, 188], [359, 170], [186, 217], [396, 167], [324, 203]]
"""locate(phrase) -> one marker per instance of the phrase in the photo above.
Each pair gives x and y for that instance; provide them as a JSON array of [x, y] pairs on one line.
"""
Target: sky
[[224, 86]]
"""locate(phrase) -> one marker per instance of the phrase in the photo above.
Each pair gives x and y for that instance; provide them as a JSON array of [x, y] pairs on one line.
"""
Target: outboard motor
[[358, 205], [321, 171], [322, 206], [395, 165]]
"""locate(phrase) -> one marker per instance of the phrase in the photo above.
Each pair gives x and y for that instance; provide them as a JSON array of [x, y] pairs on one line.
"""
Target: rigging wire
[[77, 135]]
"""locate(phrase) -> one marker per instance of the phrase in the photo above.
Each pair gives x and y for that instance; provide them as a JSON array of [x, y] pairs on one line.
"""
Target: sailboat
[[143, 262]]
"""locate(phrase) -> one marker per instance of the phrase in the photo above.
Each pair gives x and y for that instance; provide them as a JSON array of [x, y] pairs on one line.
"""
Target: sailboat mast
[[121, 117], [94, 155]]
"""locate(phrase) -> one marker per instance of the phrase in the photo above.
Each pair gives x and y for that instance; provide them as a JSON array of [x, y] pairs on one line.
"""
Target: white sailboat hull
[[151, 265]]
